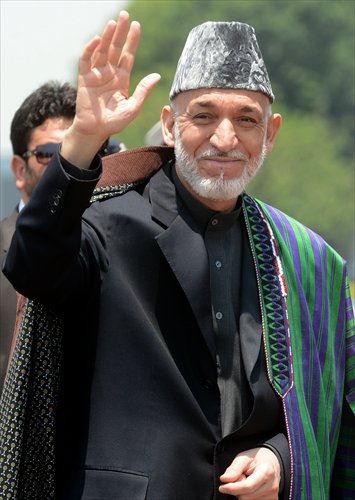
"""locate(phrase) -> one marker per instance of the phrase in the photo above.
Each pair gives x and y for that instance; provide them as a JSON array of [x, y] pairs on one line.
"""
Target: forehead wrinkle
[[234, 107]]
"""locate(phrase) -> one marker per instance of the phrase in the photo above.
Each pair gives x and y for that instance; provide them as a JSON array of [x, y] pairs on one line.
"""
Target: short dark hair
[[51, 100]]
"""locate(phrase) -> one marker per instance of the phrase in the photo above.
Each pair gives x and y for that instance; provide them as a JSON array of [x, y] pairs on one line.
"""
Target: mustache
[[212, 152]]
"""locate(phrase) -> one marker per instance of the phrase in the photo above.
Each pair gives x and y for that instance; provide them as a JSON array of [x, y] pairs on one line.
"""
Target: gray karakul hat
[[221, 55]]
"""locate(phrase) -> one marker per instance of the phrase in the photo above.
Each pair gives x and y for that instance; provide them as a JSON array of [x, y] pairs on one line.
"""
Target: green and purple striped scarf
[[310, 344]]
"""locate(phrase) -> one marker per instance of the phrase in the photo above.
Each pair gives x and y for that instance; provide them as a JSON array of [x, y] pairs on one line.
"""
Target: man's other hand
[[253, 475]]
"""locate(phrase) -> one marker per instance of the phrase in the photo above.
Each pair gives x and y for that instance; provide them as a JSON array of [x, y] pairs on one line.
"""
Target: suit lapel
[[183, 246]]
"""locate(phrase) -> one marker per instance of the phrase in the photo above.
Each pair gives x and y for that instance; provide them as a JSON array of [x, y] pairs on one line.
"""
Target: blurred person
[[37, 128], [111, 147], [154, 136], [200, 340]]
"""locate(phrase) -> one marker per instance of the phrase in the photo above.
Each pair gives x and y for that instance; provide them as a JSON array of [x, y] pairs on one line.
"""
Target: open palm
[[104, 106]]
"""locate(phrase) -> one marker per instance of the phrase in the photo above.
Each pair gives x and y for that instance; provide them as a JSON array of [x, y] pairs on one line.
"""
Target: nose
[[224, 136]]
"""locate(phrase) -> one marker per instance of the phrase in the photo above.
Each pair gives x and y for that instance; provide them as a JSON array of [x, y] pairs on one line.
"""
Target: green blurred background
[[308, 47]]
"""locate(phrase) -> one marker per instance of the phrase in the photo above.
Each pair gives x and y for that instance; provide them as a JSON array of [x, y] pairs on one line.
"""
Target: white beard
[[220, 189]]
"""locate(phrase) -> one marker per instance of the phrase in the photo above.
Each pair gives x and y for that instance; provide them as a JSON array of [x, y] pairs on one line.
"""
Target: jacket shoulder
[[7, 228]]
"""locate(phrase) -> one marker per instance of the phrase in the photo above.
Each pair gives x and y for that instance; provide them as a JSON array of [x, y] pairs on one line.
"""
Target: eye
[[246, 121], [202, 117]]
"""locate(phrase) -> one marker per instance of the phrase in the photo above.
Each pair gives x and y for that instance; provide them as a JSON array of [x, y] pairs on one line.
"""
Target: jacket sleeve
[[279, 445], [44, 261]]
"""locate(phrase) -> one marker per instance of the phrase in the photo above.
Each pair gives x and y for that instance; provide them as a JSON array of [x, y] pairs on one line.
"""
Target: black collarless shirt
[[223, 233]]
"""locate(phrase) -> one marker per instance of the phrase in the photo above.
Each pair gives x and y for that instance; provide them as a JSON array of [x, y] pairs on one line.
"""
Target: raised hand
[[104, 106]]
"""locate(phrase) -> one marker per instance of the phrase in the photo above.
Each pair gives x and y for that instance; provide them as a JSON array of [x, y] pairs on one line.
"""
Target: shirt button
[[220, 448], [208, 384], [214, 222], [218, 264], [219, 315]]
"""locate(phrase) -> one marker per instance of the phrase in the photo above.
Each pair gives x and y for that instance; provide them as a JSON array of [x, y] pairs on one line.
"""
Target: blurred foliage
[[306, 177], [308, 47]]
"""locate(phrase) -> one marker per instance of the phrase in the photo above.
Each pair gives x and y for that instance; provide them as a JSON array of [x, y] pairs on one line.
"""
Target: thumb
[[144, 88], [233, 472]]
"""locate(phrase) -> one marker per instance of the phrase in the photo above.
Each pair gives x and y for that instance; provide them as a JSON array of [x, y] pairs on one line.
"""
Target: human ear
[[168, 122], [18, 169], [273, 127]]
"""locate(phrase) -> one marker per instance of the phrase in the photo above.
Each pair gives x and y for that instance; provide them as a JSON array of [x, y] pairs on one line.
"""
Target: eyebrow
[[210, 105]]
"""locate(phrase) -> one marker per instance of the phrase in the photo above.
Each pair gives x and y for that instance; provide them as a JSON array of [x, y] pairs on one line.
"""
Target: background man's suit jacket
[[8, 297]]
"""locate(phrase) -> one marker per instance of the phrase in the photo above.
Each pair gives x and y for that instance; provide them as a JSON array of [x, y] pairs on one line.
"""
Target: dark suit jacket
[[139, 398], [8, 298]]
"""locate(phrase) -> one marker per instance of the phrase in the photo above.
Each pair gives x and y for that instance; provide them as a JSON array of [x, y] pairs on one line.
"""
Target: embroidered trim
[[273, 293], [106, 192]]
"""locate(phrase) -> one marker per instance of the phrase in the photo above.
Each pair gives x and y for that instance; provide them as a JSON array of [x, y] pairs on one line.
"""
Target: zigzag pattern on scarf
[[273, 288]]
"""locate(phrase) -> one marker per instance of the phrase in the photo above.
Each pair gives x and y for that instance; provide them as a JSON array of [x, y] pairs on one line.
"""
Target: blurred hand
[[253, 475], [104, 107]]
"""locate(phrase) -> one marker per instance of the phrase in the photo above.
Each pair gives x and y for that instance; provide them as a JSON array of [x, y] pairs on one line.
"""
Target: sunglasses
[[43, 152]]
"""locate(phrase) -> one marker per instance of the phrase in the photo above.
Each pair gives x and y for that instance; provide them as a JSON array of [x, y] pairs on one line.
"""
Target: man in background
[[37, 128]]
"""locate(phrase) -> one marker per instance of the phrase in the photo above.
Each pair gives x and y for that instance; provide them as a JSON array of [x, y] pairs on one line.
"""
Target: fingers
[[113, 40], [240, 465], [251, 488], [100, 57], [117, 45], [103, 103], [254, 474], [119, 38], [128, 54], [86, 56]]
